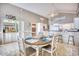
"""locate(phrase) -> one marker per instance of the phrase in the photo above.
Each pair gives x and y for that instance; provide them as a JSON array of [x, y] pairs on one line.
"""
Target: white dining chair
[[51, 48], [30, 51]]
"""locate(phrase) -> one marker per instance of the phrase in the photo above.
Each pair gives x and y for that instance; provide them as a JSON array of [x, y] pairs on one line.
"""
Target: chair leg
[[55, 54], [42, 52], [37, 51], [52, 54]]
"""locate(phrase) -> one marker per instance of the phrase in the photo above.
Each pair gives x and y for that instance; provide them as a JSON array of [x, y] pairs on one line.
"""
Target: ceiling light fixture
[[42, 19], [53, 14], [53, 11]]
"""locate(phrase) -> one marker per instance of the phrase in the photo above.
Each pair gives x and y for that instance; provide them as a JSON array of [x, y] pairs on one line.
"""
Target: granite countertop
[[73, 31]]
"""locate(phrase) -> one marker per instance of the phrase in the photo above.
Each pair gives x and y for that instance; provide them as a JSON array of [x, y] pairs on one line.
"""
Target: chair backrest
[[54, 43]]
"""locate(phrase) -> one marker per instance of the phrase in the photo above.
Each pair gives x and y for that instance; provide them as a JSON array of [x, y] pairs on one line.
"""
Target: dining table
[[37, 44]]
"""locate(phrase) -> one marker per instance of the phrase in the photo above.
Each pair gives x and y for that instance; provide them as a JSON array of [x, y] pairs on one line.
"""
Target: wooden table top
[[39, 42]]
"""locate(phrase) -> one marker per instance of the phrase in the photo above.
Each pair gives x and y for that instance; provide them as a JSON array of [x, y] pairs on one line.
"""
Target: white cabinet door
[[6, 37], [10, 37]]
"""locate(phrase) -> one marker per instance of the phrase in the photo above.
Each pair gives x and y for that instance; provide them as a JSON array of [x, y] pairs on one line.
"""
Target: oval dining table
[[37, 44]]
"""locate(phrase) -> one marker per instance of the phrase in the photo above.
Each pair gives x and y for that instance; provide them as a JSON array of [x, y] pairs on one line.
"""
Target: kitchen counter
[[66, 34], [73, 31]]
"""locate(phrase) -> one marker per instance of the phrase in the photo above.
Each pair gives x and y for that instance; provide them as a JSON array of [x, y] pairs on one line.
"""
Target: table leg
[[37, 51]]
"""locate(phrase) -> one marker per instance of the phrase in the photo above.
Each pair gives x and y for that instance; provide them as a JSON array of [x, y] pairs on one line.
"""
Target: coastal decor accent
[[10, 17]]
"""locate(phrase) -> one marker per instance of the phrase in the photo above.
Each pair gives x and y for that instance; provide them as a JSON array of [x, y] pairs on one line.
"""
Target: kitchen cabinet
[[11, 30], [10, 37]]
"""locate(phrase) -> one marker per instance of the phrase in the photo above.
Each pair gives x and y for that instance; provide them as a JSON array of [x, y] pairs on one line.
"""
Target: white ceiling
[[45, 9]]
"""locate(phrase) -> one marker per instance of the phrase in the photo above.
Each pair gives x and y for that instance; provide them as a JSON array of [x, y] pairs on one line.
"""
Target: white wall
[[21, 14]]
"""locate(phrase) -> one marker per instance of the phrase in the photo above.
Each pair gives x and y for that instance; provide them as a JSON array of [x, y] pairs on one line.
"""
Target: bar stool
[[71, 40]]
